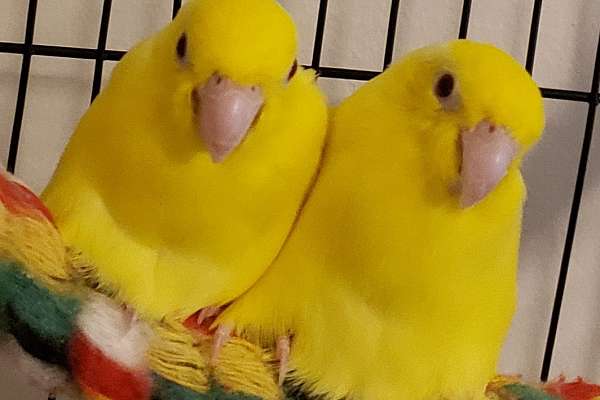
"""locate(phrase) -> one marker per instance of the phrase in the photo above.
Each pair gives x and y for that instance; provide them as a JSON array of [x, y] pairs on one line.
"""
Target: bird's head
[[222, 61], [476, 112]]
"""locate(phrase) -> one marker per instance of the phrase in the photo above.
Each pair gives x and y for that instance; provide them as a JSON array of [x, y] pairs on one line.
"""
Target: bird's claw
[[283, 355], [221, 337], [207, 312]]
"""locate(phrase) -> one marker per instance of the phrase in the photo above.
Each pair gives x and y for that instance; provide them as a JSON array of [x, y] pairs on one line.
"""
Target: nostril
[[219, 79]]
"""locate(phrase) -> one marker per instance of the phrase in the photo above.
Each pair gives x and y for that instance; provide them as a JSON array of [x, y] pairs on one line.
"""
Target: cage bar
[[464, 19], [391, 33], [50, 51], [326, 72], [176, 7], [23, 81], [343, 73], [533, 35], [572, 226], [102, 37], [319, 34], [562, 94]]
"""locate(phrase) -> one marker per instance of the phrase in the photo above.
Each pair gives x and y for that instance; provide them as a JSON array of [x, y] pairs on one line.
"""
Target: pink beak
[[487, 152], [225, 112]]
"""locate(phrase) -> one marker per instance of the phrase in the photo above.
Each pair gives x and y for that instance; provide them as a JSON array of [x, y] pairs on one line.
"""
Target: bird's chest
[[420, 356]]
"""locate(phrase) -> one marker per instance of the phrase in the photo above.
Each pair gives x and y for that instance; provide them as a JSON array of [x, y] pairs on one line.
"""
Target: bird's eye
[[446, 92], [444, 86], [182, 47], [293, 70]]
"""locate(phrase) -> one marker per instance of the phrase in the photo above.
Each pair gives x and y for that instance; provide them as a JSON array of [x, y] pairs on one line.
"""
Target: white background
[[59, 92]]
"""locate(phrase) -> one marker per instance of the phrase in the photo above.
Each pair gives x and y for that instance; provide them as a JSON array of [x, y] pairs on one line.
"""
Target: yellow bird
[[399, 279], [183, 179]]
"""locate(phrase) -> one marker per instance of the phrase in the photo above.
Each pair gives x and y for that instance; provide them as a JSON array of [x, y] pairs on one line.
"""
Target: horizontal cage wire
[[101, 54]]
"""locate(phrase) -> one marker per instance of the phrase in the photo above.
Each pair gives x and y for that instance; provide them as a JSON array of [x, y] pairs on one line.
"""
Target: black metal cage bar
[[176, 7], [391, 33], [23, 81], [464, 20], [571, 227], [533, 35], [100, 54], [102, 37], [319, 35]]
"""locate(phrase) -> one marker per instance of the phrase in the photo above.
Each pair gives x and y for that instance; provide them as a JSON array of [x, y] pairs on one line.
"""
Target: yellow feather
[[137, 192], [389, 288]]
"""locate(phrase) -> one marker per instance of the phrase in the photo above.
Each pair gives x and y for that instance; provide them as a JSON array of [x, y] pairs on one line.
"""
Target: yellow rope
[[37, 246], [182, 356], [174, 354], [245, 367]]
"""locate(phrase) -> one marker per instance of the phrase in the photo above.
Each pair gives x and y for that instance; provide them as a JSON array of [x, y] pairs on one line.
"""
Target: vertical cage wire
[[176, 7], [100, 54], [572, 225], [533, 35], [102, 37], [23, 82], [319, 36], [391, 33], [464, 19]]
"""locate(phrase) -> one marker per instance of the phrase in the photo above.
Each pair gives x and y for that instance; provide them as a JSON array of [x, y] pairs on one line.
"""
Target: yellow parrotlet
[[399, 279], [183, 179]]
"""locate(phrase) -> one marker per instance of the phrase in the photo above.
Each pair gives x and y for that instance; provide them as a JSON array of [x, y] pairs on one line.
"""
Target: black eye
[[444, 86], [182, 47], [293, 70]]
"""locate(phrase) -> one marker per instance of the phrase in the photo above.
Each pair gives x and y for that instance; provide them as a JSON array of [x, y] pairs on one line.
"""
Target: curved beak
[[487, 152], [225, 112]]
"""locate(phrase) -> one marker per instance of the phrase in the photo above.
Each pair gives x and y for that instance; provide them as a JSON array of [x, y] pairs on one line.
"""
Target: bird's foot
[[225, 322], [283, 355], [202, 321], [221, 337], [207, 312]]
